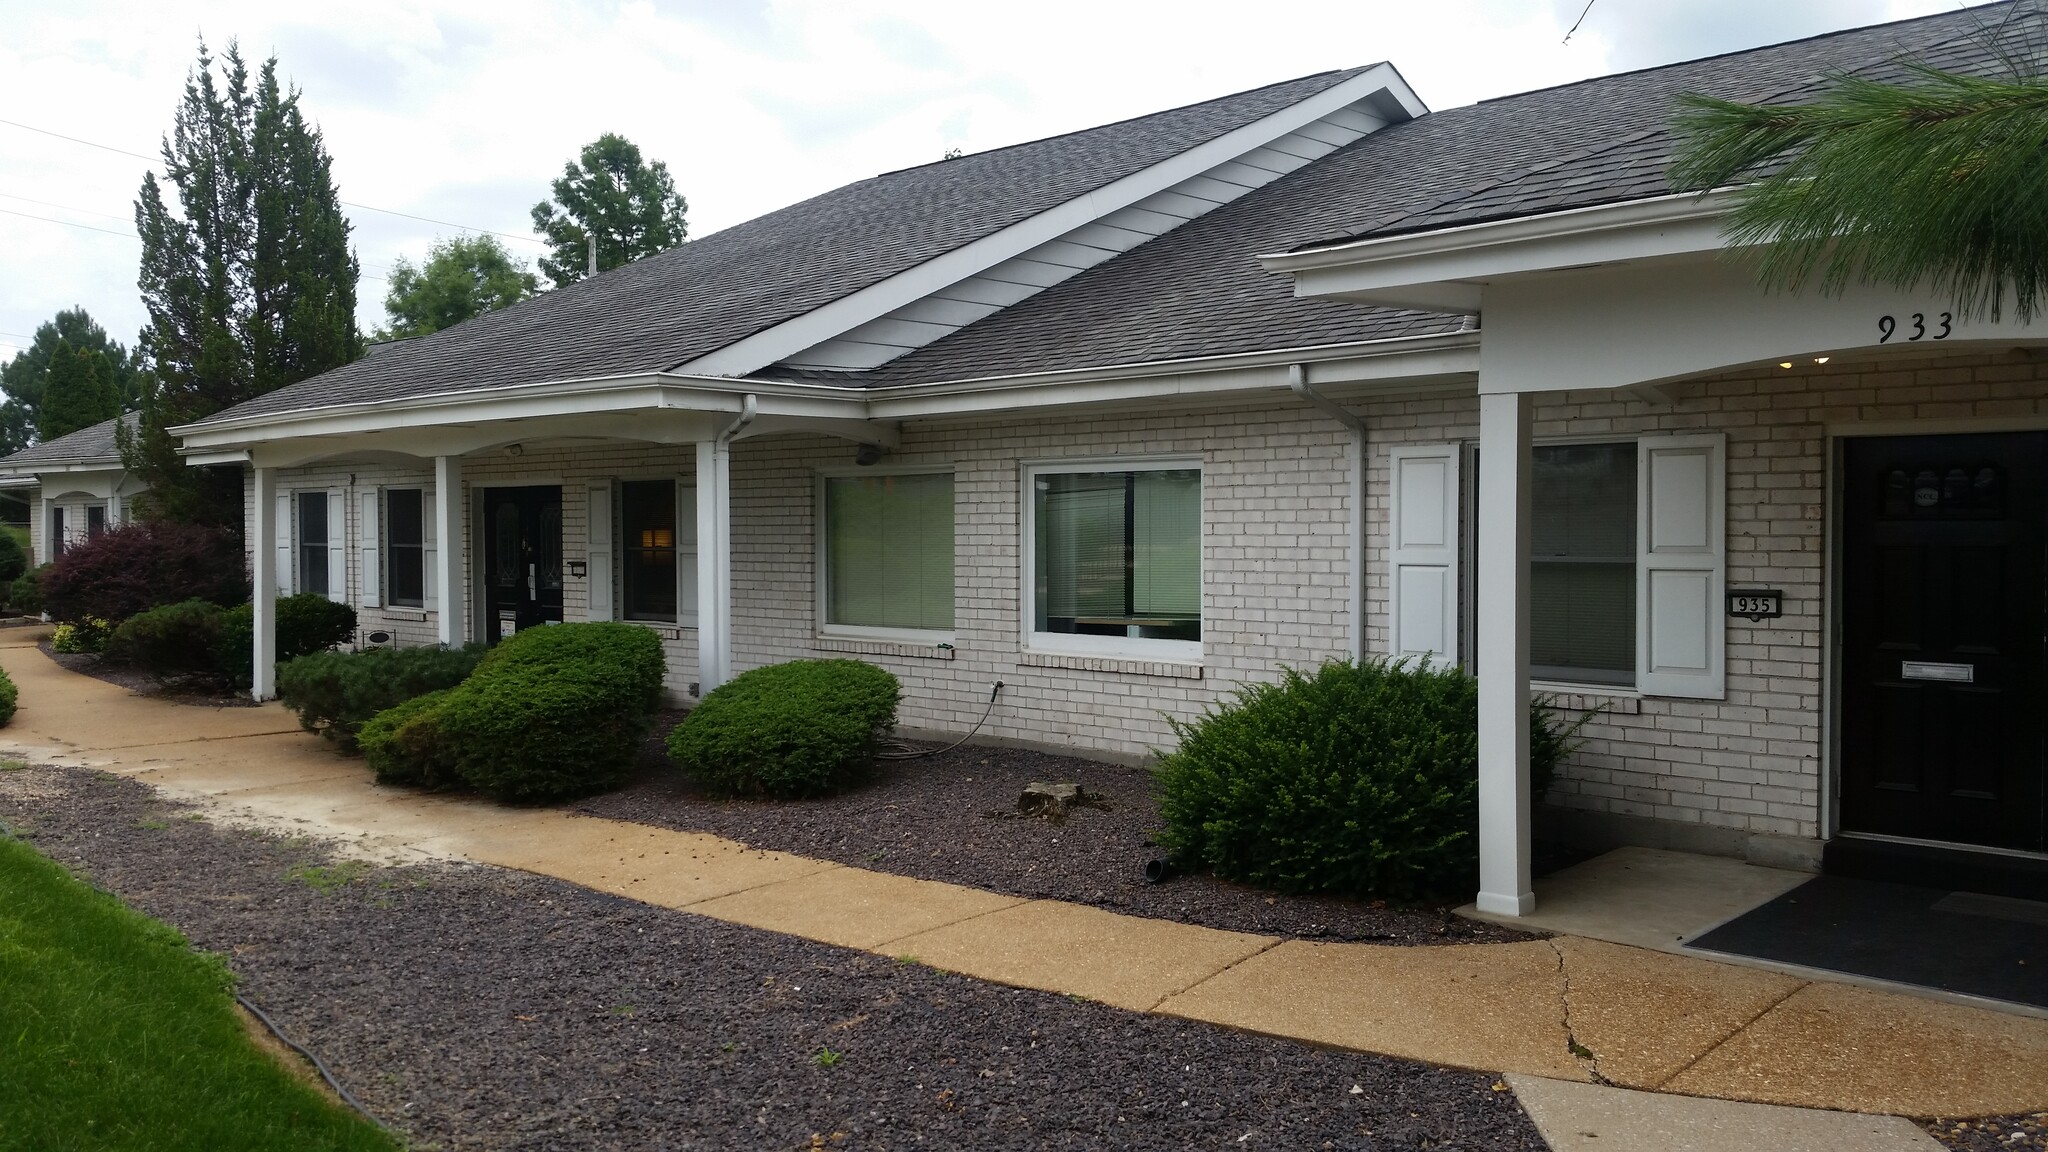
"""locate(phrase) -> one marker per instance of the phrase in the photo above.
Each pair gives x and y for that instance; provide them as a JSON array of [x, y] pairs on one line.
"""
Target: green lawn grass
[[115, 1034]]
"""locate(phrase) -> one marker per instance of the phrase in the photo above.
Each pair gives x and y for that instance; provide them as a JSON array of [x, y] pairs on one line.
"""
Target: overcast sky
[[464, 111]]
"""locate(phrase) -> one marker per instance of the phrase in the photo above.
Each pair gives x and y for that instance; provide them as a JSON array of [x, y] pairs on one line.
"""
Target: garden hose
[[326, 1075], [906, 752]]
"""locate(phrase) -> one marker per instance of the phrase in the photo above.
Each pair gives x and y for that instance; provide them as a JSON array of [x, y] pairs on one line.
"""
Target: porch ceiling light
[[1784, 363], [1820, 359]]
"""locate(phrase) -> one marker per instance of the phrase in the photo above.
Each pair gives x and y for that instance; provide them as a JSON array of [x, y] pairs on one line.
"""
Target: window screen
[[647, 518], [1119, 554], [889, 551], [312, 538], [1582, 572], [405, 541]]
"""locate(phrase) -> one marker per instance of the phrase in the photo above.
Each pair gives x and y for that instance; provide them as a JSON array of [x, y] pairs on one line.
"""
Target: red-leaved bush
[[136, 567]]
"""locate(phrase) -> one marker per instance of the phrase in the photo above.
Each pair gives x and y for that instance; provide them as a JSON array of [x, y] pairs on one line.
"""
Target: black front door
[[522, 533], [1942, 580]]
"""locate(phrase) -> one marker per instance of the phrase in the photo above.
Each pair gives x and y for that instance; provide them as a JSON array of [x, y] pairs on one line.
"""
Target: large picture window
[[1582, 572], [647, 520], [405, 535], [312, 541], [888, 555], [1117, 555]]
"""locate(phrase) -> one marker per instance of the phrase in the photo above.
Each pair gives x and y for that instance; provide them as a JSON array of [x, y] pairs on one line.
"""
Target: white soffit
[[914, 308]]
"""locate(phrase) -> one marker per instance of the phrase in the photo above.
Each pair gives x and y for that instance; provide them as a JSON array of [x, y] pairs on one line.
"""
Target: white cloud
[[463, 110]]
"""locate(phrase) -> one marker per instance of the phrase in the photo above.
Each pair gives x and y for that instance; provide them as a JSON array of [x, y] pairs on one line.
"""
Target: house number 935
[[1888, 327]]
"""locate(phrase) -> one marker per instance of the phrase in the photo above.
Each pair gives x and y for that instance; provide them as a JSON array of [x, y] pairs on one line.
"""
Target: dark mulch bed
[[473, 1007], [144, 684], [954, 817]]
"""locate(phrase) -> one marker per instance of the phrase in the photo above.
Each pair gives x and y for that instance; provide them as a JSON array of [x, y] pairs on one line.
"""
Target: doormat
[[1991, 946]]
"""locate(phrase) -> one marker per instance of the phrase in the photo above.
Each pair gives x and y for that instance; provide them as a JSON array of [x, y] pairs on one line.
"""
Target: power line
[[347, 203], [68, 223], [65, 207]]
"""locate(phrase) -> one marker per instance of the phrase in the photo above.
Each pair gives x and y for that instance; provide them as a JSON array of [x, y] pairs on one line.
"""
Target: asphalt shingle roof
[[1197, 291], [92, 443], [667, 309]]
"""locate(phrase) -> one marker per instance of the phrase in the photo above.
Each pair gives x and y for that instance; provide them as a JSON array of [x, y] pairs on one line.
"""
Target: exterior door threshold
[[1929, 864]]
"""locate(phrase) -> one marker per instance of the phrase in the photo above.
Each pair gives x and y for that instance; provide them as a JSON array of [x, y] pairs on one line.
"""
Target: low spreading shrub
[[552, 712], [308, 623], [8, 697], [175, 640], [403, 746], [136, 567], [805, 728], [335, 693], [81, 637], [1358, 779], [25, 594]]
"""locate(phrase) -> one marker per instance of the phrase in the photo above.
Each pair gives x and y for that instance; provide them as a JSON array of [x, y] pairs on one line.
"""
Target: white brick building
[[1129, 418]]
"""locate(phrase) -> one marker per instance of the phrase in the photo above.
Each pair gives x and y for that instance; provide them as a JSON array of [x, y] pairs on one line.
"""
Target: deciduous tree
[[462, 278], [610, 192]]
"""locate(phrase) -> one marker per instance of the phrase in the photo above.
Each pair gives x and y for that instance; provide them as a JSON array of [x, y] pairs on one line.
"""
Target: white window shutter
[[430, 551], [1422, 553], [337, 546], [1681, 557], [286, 545], [368, 537], [686, 553], [598, 531]]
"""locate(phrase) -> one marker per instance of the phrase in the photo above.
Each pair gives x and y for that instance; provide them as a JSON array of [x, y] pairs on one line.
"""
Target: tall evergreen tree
[[78, 392], [250, 284], [23, 377], [630, 206], [464, 277]]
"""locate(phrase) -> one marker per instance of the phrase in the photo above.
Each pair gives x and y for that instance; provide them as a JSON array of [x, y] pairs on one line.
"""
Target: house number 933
[[1916, 327]]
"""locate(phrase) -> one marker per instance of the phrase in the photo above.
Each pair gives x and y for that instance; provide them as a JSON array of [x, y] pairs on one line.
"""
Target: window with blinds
[[312, 541], [888, 559], [1582, 571], [405, 563], [1118, 553]]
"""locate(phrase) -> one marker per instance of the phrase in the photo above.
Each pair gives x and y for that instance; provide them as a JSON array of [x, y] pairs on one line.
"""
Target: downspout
[[750, 407], [1297, 381]]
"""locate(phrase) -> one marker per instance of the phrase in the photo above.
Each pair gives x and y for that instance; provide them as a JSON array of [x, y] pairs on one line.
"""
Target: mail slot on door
[[1929, 670]]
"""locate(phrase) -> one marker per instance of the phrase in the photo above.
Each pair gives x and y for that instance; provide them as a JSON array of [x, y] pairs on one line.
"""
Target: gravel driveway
[[471, 1007]]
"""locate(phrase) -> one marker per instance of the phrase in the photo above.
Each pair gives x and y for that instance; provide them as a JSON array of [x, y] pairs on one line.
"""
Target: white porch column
[[263, 597], [451, 617], [1505, 471], [714, 564], [45, 543]]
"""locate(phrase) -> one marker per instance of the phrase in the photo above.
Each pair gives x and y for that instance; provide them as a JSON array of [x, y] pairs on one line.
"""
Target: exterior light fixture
[[1784, 363], [1820, 359]]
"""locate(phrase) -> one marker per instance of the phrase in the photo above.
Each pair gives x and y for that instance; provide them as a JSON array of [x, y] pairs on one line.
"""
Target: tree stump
[[1051, 801]]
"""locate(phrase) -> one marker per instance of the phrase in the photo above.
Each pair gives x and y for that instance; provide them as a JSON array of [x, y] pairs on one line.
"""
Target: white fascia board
[[53, 467], [1448, 267], [645, 392], [772, 345], [1404, 360]]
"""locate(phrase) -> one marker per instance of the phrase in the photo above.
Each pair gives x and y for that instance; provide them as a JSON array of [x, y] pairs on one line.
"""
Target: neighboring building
[[75, 487], [1056, 415]]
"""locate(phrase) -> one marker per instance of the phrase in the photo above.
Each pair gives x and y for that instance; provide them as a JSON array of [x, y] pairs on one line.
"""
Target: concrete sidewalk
[[1567, 1009]]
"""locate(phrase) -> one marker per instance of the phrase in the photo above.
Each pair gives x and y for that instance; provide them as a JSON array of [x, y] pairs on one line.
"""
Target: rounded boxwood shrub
[[1359, 779], [13, 555], [551, 712], [9, 695], [805, 728], [402, 745], [335, 693], [172, 640], [25, 594], [308, 623], [234, 646]]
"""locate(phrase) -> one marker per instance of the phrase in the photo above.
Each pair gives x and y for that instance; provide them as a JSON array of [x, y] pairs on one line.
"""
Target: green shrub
[[81, 637], [234, 646], [1360, 780], [25, 594], [402, 745], [8, 696], [174, 640], [551, 712], [13, 554], [805, 728], [334, 693], [308, 623]]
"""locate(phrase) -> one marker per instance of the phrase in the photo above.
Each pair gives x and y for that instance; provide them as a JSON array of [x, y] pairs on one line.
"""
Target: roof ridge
[[1345, 73]]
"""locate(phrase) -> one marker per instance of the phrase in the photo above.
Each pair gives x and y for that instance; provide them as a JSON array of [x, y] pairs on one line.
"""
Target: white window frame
[[389, 551], [615, 549], [1112, 647], [821, 559]]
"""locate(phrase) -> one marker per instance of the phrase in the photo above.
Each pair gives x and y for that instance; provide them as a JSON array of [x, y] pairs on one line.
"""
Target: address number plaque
[[1756, 603]]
